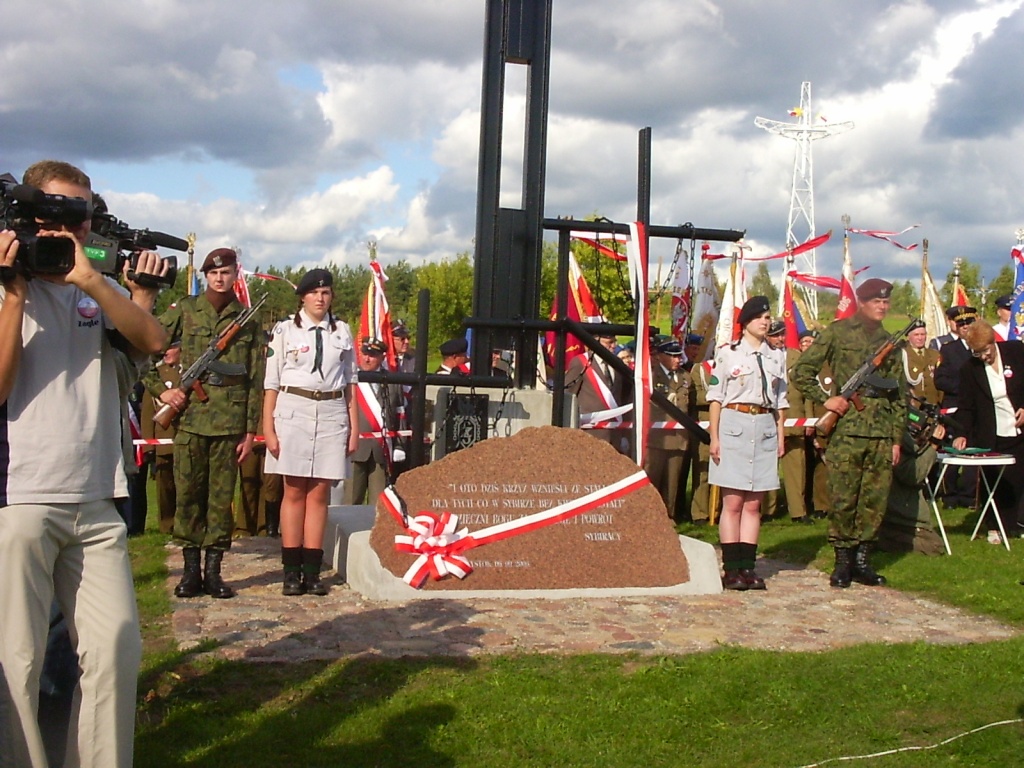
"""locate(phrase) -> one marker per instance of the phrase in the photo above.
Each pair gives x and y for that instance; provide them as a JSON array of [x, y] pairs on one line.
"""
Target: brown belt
[[314, 394], [753, 410]]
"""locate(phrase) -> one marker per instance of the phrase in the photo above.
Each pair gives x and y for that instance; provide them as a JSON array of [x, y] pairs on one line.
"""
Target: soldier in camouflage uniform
[[866, 444], [215, 436]]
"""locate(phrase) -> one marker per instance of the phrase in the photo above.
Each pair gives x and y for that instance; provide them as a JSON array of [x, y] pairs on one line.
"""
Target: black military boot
[[191, 584], [311, 561], [863, 573], [213, 584], [272, 511], [291, 559], [841, 575]]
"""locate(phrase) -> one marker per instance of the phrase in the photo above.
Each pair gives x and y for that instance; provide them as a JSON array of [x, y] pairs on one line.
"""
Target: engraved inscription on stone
[[626, 542]]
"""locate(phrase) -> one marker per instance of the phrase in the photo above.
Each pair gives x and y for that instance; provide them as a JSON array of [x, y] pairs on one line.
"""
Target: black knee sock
[[311, 560], [747, 555], [731, 556], [291, 558]]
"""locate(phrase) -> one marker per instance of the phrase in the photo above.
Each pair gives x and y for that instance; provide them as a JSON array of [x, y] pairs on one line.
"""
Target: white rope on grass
[[913, 749]]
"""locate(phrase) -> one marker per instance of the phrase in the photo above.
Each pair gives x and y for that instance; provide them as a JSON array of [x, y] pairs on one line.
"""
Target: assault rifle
[[207, 363], [866, 374]]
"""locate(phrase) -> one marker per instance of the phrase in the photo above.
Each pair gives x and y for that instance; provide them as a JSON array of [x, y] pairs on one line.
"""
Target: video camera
[[111, 242], [925, 423], [22, 208]]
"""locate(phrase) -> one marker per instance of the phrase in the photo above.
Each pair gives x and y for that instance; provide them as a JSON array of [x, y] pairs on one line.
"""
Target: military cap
[[777, 328], [919, 323], [399, 330], [755, 306], [670, 347], [694, 339], [809, 333], [454, 347], [217, 258], [964, 315], [1005, 301], [372, 346], [875, 288], [630, 345], [315, 278], [951, 312]]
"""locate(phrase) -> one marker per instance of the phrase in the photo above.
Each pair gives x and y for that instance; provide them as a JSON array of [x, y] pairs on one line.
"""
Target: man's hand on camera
[[82, 274], [13, 281], [149, 263]]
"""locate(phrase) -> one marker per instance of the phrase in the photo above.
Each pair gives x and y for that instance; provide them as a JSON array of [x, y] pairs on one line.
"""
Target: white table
[[947, 460]]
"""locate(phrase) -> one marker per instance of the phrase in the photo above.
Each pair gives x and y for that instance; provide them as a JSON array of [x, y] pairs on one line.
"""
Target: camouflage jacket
[[845, 345], [235, 403]]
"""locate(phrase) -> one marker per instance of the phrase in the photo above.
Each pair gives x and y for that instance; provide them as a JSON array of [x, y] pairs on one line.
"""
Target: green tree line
[[450, 282]]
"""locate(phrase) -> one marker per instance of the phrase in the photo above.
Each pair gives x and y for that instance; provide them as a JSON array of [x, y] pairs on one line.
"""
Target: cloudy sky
[[300, 130]]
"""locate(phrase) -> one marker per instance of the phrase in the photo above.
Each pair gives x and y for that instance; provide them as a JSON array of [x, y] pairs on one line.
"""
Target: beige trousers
[[78, 553]]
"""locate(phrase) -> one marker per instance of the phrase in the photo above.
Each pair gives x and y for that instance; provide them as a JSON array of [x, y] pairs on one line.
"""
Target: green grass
[[729, 707]]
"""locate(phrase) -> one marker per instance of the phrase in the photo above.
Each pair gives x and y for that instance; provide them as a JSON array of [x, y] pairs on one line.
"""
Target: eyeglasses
[[981, 352]]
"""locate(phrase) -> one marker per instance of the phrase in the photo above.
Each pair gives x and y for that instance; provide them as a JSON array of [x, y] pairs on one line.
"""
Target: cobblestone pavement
[[798, 612]]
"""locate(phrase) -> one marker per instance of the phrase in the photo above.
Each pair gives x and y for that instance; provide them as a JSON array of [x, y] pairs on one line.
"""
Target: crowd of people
[[867, 477], [77, 347]]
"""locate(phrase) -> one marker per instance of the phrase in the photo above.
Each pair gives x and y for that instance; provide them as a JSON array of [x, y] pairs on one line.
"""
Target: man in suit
[[598, 387], [1004, 306], [991, 410], [951, 335], [405, 357], [666, 448], [959, 487], [454, 354]]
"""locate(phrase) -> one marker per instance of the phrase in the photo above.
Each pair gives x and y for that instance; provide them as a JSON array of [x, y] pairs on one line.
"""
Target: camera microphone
[[163, 240]]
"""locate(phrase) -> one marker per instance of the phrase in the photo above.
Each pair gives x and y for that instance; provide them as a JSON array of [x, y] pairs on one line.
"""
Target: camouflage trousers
[[859, 476], [205, 469]]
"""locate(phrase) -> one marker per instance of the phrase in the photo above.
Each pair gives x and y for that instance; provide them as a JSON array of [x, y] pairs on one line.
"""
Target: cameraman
[[60, 455]]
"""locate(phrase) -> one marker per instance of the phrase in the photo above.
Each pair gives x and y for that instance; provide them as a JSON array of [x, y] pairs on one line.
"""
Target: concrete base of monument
[[347, 547]]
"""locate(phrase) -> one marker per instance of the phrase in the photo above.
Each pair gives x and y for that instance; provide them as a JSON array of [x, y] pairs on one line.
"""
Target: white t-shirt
[[60, 429]]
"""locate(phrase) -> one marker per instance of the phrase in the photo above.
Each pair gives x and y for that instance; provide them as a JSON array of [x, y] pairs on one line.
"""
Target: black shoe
[[753, 580], [213, 584], [191, 584], [293, 584], [841, 576], [805, 520], [313, 584], [862, 572], [734, 580]]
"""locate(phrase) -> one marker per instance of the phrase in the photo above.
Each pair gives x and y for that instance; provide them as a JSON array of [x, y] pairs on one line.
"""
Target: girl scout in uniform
[[747, 400], [308, 408]]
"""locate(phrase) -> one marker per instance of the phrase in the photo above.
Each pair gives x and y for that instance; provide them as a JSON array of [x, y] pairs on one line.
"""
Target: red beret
[[217, 258], [875, 288]]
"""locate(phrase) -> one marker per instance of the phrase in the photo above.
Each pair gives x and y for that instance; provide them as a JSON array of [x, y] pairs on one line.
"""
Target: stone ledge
[[347, 547]]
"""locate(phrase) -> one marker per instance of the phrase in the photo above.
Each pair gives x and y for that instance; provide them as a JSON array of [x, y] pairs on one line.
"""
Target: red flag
[[241, 287], [582, 308], [792, 317], [960, 296]]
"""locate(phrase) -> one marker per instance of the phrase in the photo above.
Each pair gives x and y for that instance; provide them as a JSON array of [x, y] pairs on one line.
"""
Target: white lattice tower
[[807, 129]]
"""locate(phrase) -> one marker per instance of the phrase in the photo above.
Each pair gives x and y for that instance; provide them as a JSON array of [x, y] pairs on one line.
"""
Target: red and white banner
[[440, 545], [882, 234], [241, 287], [636, 259], [375, 318]]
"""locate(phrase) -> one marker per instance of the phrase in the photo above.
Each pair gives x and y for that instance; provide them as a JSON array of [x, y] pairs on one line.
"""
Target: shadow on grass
[[210, 711]]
